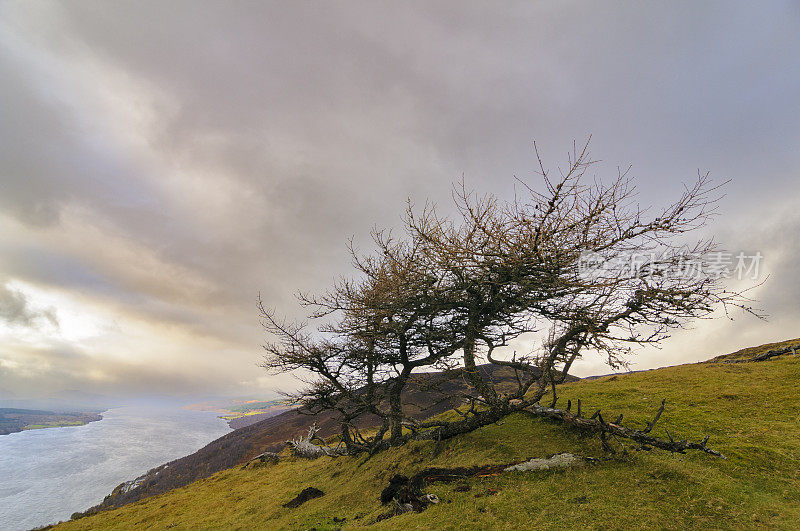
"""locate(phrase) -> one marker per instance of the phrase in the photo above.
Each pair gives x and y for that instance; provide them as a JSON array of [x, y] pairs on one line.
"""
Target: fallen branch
[[597, 424], [553, 462], [304, 447], [765, 355]]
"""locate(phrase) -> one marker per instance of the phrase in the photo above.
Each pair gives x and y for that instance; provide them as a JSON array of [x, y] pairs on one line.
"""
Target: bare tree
[[578, 261], [385, 325]]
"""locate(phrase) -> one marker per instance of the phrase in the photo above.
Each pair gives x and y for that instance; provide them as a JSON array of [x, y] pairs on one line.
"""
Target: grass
[[751, 411], [749, 352], [252, 408], [240, 415], [59, 424]]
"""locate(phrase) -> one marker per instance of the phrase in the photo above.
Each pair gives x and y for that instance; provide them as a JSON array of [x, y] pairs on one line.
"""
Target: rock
[[557, 461], [431, 498]]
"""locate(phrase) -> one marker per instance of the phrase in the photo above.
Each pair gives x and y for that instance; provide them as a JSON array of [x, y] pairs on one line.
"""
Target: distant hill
[[239, 446], [255, 418], [66, 401], [15, 419], [750, 411], [243, 412]]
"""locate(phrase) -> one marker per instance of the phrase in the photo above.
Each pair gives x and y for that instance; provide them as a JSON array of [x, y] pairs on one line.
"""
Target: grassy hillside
[[750, 410], [239, 446], [749, 352]]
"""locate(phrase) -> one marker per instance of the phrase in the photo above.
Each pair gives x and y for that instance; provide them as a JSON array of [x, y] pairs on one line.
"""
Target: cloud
[[781, 290], [162, 163], [15, 310]]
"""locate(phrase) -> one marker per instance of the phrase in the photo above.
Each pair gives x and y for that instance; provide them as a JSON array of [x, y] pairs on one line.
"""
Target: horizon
[[154, 183]]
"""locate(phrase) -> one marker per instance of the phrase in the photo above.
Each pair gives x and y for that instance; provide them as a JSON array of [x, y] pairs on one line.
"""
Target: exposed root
[[308, 493], [405, 494]]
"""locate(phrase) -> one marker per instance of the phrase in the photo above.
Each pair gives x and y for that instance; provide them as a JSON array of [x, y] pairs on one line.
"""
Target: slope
[[430, 393], [750, 410]]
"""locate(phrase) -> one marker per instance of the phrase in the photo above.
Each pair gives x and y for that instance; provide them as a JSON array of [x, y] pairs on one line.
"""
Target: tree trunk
[[473, 376], [396, 418]]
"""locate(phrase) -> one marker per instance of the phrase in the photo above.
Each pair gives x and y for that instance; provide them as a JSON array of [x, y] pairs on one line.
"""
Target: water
[[46, 475]]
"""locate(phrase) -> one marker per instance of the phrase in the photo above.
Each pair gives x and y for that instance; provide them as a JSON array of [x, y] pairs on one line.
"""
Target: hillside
[[242, 412], [752, 352], [14, 419], [239, 446], [750, 410]]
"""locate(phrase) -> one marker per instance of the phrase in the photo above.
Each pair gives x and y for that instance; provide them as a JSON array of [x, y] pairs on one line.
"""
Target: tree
[[581, 262], [387, 324]]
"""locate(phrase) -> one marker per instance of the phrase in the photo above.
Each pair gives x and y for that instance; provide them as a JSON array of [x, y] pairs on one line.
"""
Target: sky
[[163, 163]]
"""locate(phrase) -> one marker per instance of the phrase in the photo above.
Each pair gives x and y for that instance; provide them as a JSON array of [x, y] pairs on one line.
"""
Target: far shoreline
[[16, 420]]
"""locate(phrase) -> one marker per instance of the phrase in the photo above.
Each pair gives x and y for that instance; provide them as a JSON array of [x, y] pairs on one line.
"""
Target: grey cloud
[[49, 156], [280, 130], [16, 310], [64, 366], [777, 241]]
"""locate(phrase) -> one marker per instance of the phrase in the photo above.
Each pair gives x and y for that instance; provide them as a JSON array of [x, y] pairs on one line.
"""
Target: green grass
[[749, 352], [240, 415], [244, 408], [252, 408], [751, 412], [60, 424]]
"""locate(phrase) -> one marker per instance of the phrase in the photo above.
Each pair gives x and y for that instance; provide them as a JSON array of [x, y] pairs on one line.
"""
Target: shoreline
[[16, 420]]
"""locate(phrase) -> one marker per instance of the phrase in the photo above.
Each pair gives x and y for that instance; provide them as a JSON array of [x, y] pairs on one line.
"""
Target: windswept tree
[[383, 326], [577, 262]]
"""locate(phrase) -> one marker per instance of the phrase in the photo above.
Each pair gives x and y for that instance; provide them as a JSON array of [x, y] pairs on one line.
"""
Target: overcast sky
[[161, 163]]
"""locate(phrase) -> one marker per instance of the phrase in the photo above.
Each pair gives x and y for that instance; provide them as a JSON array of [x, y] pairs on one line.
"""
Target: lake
[[48, 474]]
